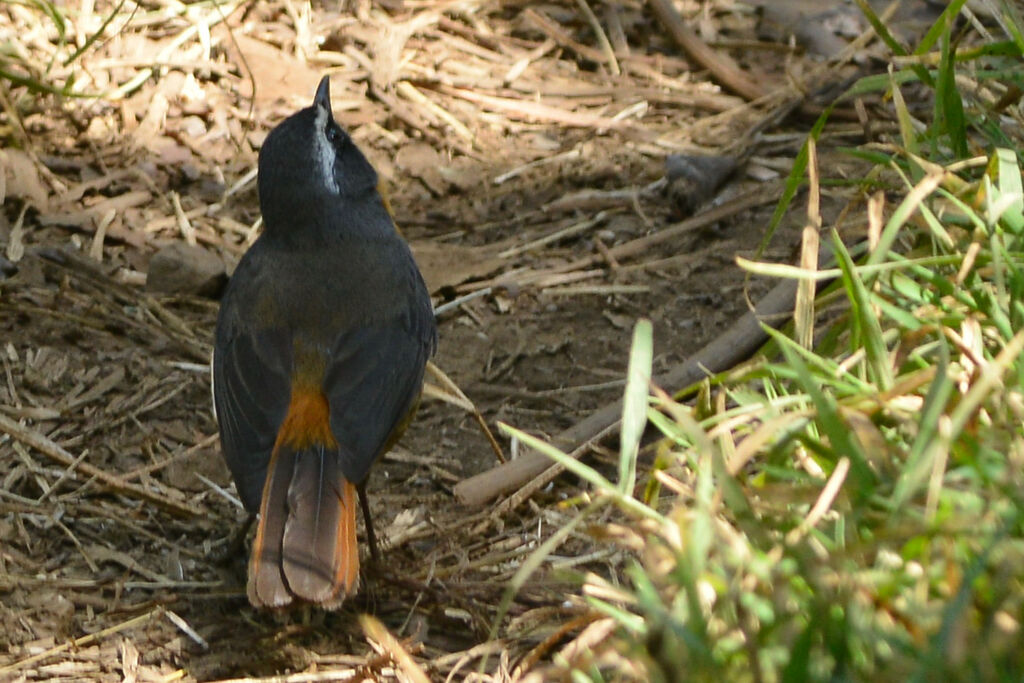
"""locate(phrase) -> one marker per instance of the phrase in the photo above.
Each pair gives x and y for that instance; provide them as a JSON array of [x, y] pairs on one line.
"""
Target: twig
[[535, 473], [351, 674], [153, 467], [721, 66], [534, 111], [184, 226], [84, 640], [223, 492], [53, 451], [603, 199], [602, 38], [187, 629], [764, 195], [742, 339], [458, 301], [551, 28], [767, 194], [375, 630], [573, 153], [600, 290], [409, 92], [569, 231], [452, 388]]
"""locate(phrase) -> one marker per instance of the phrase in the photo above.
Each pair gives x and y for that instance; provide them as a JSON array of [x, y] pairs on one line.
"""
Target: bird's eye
[[333, 134]]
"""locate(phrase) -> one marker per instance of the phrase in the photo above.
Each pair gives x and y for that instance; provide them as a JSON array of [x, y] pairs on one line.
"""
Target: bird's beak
[[323, 94]]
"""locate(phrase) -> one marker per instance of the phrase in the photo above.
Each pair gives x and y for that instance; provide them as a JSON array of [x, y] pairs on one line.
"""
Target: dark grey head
[[309, 169]]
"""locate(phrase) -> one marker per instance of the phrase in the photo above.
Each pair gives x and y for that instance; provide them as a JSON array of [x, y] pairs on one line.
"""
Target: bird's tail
[[305, 547]]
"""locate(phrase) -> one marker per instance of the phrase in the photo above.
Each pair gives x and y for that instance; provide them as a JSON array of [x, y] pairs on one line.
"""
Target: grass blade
[[634, 404], [865, 325]]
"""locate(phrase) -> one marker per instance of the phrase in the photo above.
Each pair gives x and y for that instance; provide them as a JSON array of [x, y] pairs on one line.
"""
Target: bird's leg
[[371, 537], [235, 543]]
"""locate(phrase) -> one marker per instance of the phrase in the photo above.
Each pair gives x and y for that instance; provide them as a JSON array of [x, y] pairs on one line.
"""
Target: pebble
[[183, 269]]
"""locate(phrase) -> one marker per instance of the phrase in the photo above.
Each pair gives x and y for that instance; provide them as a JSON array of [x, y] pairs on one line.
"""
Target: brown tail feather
[[305, 545], [319, 554], [266, 582]]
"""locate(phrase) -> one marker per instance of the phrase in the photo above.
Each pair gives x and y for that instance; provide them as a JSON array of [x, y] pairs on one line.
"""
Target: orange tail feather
[[305, 547]]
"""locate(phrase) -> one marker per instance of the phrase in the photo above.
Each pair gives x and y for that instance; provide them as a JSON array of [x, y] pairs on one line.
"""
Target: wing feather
[[251, 392], [373, 381]]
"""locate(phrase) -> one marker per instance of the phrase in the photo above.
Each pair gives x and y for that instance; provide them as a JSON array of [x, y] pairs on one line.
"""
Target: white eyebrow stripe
[[325, 152]]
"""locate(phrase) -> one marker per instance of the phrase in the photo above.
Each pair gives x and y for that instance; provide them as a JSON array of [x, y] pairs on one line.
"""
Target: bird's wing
[[373, 381], [251, 391]]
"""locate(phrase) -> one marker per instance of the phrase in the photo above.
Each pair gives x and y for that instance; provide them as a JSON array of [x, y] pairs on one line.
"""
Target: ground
[[492, 128]]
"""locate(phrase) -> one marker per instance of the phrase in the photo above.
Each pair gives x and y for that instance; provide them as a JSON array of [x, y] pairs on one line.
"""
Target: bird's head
[[309, 168]]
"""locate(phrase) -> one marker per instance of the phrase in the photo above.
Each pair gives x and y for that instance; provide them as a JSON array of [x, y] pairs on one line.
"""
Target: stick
[[721, 66], [390, 646], [735, 345], [453, 390], [764, 195], [52, 450], [79, 642]]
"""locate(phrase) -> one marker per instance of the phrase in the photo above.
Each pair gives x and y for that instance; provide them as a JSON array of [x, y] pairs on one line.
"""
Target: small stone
[[694, 179], [183, 269]]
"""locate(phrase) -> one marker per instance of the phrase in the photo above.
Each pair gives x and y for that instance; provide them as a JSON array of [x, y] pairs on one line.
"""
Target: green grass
[[851, 511], [19, 70]]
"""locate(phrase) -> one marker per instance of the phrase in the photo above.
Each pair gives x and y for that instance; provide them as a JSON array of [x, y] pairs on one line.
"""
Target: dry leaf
[[447, 265], [21, 179]]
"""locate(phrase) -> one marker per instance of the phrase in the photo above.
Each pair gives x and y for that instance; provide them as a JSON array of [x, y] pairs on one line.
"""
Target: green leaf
[[536, 558], [1014, 23], [901, 215], [881, 29], [841, 439], [940, 27], [634, 404], [795, 178], [949, 106], [585, 473], [867, 328], [98, 34], [1006, 201], [925, 447]]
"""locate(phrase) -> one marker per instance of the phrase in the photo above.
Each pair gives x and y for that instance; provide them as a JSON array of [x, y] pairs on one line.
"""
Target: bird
[[320, 347]]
